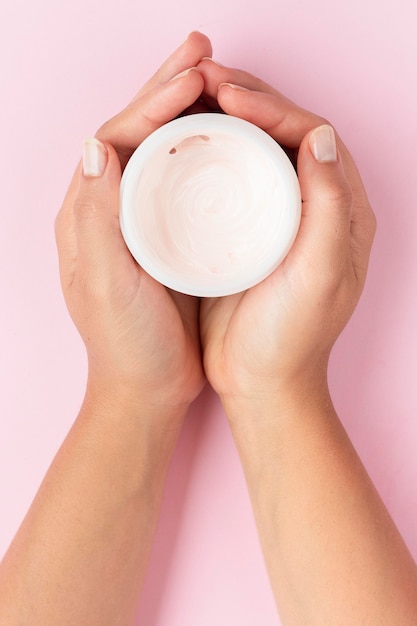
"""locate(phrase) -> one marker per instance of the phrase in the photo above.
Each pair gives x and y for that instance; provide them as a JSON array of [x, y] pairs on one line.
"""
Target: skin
[[81, 553], [332, 552]]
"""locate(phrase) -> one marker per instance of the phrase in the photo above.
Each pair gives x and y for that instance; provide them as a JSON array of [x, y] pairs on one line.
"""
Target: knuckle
[[338, 286], [86, 206], [339, 194]]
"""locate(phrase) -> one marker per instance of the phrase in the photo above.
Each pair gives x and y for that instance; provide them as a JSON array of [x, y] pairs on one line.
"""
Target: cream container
[[210, 205]]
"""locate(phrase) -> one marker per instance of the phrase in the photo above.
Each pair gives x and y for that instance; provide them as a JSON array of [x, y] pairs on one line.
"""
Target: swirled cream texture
[[209, 208]]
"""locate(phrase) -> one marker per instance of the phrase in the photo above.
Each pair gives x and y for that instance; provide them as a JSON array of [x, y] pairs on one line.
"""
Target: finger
[[215, 74], [327, 197], [100, 245], [329, 209], [286, 122], [244, 95], [158, 106], [189, 54]]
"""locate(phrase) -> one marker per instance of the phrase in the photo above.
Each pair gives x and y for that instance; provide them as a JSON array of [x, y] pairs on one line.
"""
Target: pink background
[[68, 66]]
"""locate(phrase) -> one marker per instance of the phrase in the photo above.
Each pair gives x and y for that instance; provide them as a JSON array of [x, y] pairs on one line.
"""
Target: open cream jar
[[210, 204]]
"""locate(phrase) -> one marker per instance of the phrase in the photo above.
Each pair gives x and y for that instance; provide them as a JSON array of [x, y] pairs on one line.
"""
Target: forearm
[[333, 554], [81, 553]]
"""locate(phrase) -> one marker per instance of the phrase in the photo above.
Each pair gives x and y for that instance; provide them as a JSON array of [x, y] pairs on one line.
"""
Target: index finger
[[244, 95], [196, 47], [144, 115], [161, 98]]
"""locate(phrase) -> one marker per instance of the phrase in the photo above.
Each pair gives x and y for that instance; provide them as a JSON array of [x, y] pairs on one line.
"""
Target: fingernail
[[212, 60], [184, 73], [233, 86], [94, 157], [323, 144]]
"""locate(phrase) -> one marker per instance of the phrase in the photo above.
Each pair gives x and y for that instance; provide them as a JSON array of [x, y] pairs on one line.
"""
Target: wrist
[[281, 400], [135, 437], [268, 429], [121, 396]]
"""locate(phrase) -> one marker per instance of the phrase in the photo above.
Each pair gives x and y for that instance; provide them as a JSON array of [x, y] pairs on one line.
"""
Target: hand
[[281, 331], [139, 336]]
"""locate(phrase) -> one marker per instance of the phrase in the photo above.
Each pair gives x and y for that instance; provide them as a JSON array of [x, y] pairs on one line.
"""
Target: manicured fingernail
[[233, 86], [94, 157], [323, 144], [213, 61], [184, 73]]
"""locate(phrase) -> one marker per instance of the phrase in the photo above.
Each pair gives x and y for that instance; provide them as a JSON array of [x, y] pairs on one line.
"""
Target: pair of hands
[[161, 345]]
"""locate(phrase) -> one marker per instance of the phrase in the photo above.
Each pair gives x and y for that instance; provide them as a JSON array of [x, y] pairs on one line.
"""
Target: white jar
[[210, 204]]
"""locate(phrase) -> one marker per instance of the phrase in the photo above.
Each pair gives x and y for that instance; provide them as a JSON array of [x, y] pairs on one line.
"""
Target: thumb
[[327, 198], [96, 207]]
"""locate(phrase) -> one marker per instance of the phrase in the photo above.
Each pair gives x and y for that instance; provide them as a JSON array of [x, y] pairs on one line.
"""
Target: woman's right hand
[[279, 333]]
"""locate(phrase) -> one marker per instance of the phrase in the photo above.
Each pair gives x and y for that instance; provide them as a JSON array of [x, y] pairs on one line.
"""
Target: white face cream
[[210, 205]]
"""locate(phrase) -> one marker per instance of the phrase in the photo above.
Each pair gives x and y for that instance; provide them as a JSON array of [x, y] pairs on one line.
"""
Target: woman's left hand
[[139, 335]]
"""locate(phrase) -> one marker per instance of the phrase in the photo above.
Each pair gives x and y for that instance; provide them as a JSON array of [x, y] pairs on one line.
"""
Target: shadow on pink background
[[66, 67]]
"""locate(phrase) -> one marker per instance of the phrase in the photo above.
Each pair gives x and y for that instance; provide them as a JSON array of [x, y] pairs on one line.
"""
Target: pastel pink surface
[[66, 67]]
